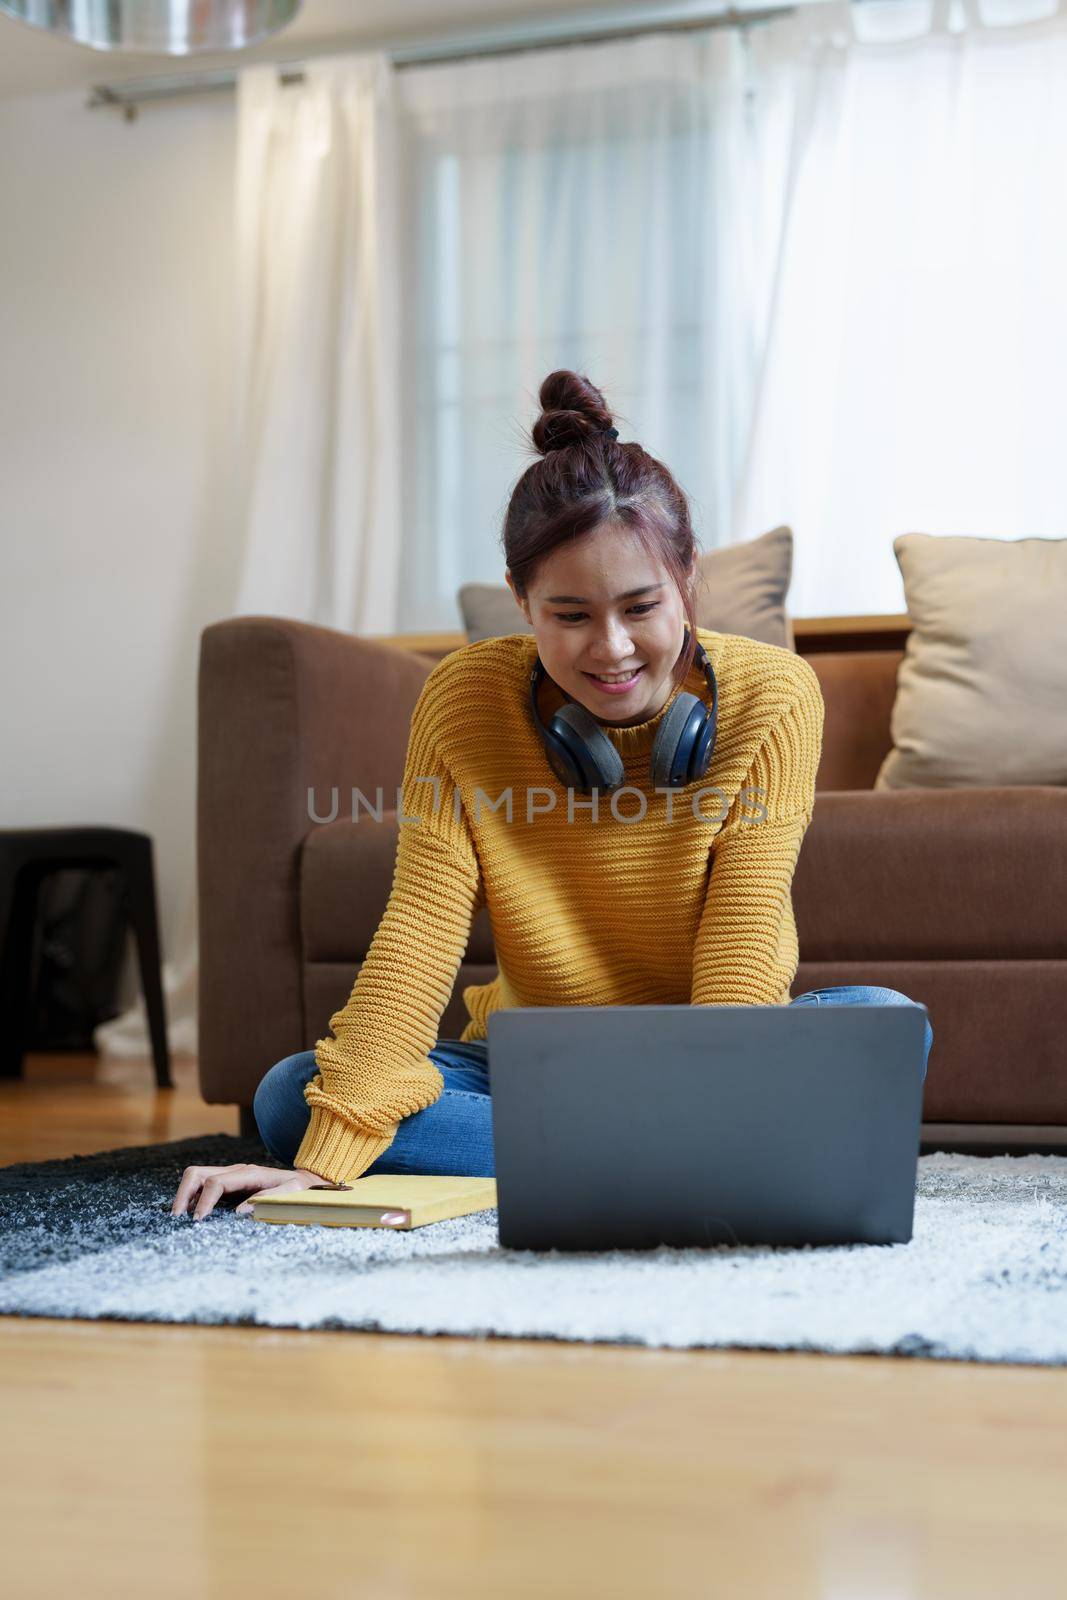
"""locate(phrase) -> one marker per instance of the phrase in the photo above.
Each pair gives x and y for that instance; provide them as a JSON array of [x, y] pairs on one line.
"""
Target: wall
[[116, 547]]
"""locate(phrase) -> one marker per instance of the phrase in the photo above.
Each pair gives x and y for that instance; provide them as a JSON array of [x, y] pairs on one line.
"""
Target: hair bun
[[573, 411]]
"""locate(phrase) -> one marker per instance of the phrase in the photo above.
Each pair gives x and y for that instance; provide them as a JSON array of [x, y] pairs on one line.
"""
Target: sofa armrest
[[284, 707]]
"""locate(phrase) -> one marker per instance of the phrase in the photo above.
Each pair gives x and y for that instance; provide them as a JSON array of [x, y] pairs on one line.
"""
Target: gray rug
[[983, 1279]]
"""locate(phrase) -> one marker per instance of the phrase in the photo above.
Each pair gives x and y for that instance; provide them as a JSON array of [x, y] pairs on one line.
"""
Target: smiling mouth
[[616, 682]]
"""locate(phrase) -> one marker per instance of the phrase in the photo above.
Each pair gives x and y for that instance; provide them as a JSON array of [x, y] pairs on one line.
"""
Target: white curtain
[[319, 445], [912, 378], [612, 208], [316, 434]]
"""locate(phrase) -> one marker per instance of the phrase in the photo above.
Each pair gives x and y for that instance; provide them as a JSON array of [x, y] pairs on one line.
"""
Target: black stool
[[26, 856]]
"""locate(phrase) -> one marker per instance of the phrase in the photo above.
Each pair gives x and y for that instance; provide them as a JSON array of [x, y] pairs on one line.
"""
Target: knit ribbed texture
[[683, 904]]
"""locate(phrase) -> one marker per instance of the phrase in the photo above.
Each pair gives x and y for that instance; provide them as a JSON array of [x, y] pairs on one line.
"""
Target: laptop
[[628, 1127]]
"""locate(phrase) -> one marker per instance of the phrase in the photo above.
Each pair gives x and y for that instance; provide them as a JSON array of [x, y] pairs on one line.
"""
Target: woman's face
[[589, 625]]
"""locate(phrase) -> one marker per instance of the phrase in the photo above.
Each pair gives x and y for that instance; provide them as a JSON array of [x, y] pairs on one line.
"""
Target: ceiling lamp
[[163, 27]]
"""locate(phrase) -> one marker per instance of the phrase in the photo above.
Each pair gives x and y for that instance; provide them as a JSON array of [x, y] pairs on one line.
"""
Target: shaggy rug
[[983, 1279]]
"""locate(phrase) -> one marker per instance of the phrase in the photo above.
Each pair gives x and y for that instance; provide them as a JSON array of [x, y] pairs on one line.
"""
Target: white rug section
[[983, 1279]]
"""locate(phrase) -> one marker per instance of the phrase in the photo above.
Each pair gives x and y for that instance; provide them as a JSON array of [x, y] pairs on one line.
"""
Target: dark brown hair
[[585, 479]]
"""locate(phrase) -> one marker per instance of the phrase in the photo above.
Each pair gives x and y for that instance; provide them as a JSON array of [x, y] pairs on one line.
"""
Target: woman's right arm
[[375, 1070]]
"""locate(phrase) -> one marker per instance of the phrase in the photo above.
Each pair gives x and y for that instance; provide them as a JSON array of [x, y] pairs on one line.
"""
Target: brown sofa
[[956, 897]]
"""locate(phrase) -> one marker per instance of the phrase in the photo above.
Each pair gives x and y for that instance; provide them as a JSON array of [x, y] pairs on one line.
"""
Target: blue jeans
[[455, 1134]]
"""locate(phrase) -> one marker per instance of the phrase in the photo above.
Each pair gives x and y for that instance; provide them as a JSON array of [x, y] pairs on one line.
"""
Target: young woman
[[654, 885]]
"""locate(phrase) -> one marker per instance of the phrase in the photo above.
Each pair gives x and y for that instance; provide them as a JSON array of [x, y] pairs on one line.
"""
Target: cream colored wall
[[115, 398]]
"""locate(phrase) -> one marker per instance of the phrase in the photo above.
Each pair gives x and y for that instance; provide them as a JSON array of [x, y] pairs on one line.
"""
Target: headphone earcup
[[595, 760], [560, 759], [681, 752]]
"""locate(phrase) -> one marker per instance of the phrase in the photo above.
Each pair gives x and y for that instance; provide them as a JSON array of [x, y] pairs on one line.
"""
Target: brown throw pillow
[[741, 589], [982, 691]]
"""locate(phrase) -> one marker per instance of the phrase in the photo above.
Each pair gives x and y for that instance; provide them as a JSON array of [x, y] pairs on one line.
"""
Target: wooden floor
[[224, 1462]]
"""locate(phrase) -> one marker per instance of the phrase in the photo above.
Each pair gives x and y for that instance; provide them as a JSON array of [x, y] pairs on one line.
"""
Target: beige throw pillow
[[982, 691], [741, 589]]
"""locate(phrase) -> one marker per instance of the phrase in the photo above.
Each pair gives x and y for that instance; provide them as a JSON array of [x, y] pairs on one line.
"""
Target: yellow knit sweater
[[664, 902]]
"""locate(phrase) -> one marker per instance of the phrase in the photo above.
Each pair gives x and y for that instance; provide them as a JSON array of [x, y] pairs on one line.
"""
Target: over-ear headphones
[[584, 758]]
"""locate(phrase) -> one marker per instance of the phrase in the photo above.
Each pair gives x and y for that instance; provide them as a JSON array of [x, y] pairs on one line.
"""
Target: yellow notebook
[[380, 1202]]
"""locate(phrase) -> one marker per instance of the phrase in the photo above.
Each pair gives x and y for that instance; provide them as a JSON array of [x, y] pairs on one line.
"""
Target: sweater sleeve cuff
[[338, 1151]]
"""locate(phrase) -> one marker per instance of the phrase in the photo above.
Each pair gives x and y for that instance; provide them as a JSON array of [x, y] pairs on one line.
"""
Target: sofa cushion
[[951, 874], [982, 690], [998, 1033], [741, 589], [346, 873], [858, 689]]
